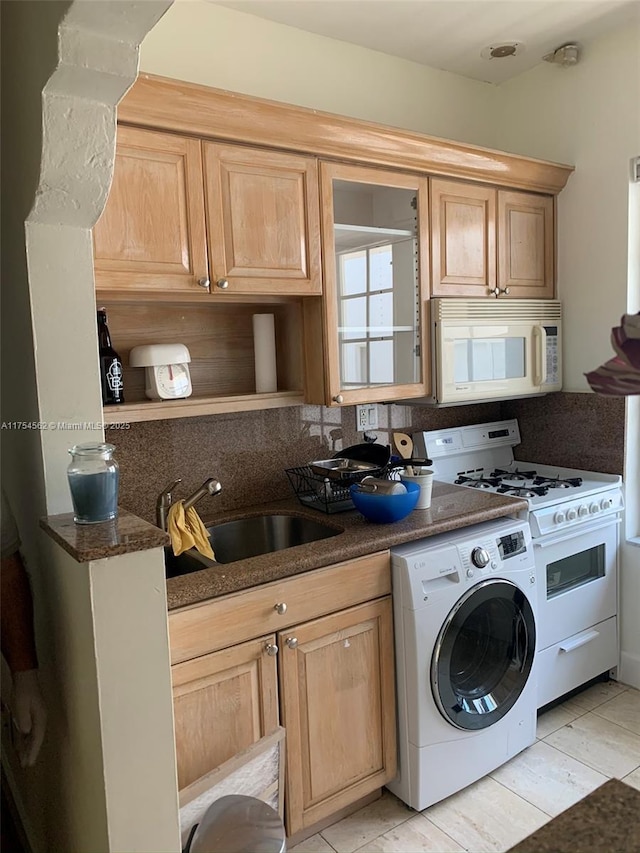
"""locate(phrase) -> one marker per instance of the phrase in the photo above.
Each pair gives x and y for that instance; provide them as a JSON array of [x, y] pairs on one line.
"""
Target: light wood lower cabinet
[[338, 707], [223, 702], [335, 666]]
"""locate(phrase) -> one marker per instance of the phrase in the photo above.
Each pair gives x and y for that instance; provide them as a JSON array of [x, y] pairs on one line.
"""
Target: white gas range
[[574, 518]]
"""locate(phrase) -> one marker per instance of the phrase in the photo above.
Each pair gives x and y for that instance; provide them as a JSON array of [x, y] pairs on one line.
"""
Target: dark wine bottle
[[110, 364]]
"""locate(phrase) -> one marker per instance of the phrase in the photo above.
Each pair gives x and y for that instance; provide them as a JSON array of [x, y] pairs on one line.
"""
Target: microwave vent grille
[[528, 310]]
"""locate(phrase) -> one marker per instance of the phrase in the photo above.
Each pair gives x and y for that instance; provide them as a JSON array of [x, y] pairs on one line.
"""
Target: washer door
[[483, 655]]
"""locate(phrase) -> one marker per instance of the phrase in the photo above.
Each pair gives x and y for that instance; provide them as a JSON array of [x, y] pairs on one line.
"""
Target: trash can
[[238, 824]]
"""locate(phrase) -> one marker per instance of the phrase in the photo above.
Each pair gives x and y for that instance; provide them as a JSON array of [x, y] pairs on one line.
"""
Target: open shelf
[[191, 407], [350, 238], [219, 337]]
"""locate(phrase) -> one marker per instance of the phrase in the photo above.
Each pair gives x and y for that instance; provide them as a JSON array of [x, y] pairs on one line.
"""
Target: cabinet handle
[[222, 283], [271, 649], [338, 398], [280, 608], [204, 282], [292, 642]]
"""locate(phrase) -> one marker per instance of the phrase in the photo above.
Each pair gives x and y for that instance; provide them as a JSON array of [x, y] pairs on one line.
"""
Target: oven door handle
[[582, 640], [547, 543]]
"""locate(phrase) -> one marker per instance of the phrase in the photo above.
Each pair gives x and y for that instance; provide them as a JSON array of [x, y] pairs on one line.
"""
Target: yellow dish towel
[[187, 531]]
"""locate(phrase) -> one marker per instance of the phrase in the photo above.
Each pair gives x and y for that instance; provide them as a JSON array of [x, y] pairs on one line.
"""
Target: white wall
[[587, 115], [203, 43]]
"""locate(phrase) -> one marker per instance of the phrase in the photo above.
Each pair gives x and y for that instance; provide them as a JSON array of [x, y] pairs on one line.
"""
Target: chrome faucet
[[165, 498]]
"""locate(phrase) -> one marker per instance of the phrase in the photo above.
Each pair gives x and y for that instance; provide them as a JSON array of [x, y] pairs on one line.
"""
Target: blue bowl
[[385, 509]]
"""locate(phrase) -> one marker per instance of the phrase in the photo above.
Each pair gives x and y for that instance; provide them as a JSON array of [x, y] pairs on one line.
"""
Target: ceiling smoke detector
[[565, 55], [503, 50]]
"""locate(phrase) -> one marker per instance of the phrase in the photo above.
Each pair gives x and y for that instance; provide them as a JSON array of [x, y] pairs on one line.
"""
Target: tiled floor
[[581, 743]]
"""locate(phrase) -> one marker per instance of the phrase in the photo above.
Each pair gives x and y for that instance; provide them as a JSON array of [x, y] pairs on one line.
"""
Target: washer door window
[[483, 655]]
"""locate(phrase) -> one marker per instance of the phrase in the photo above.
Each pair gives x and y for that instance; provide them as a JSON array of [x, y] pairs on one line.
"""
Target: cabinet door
[[151, 235], [338, 706], [463, 223], [375, 254], [263, 221], [223, 702], [525, 244]]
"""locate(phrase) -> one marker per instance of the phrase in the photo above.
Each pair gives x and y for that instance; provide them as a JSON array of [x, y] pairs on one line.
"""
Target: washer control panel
[[425, 569]]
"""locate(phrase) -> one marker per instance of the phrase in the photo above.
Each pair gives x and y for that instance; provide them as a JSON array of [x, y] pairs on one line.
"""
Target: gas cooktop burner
[[558, 483], [520, 492], [477, 482], [514, 475]]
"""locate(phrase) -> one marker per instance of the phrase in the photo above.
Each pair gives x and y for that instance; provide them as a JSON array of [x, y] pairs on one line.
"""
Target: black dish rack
[[327, 494]]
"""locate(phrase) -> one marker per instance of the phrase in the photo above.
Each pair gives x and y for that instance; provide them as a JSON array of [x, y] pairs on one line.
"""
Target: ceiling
[[450, 34]]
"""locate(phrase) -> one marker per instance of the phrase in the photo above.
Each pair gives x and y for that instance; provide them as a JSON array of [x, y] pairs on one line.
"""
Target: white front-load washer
[[465, 637]]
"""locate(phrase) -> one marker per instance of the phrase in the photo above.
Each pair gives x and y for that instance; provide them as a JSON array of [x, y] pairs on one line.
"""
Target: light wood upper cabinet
[[223, 702], [489, 242], [151, 235], [525, 245], [463, 245], [263, 221], [375, 240], [338, 701]]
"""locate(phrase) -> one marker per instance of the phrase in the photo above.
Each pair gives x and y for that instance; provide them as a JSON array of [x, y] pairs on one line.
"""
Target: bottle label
[[114, 376]]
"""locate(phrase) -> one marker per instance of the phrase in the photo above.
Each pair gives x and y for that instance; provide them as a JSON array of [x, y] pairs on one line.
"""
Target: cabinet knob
[[204, 282], [271, 649], [280, 608], [338, 398], [292, 642], [504, 290], [222, 283], [498, 290]]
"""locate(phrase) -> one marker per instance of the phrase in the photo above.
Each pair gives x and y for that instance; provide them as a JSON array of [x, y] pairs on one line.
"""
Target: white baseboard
[[629, 672]]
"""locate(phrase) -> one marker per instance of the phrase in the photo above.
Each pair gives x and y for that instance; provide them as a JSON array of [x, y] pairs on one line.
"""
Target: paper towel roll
[[264, 347]]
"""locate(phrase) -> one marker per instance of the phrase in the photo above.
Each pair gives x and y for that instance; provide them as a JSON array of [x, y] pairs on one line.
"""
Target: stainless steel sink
[[250, 537]]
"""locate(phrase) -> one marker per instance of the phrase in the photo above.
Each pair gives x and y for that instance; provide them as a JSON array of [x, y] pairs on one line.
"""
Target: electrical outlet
[[366, 417]]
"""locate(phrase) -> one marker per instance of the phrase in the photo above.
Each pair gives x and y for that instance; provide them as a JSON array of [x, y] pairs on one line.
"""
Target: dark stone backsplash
[[249, 451], [583, 431]]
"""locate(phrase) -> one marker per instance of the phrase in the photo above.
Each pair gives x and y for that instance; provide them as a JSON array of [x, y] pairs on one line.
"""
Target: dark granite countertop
[[452, 507], [605, 821], [85, 542]]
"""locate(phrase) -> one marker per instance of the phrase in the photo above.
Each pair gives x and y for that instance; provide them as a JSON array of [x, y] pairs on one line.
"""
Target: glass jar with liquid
[[93, 480]]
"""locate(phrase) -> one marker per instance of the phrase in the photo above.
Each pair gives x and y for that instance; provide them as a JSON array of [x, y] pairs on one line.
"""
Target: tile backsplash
[[249, 451]]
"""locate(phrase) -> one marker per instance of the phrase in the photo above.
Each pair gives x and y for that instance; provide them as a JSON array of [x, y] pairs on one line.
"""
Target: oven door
[[483, 655], [577, 579]]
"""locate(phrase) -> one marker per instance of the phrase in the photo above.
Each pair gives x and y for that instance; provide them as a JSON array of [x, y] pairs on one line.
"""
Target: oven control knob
[[594, 508], [572, 515], [583, 510], [558, 517], [606, 503], [480, 557]]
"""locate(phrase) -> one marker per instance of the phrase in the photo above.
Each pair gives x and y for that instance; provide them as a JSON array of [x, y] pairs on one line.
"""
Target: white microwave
[[486, 349]]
